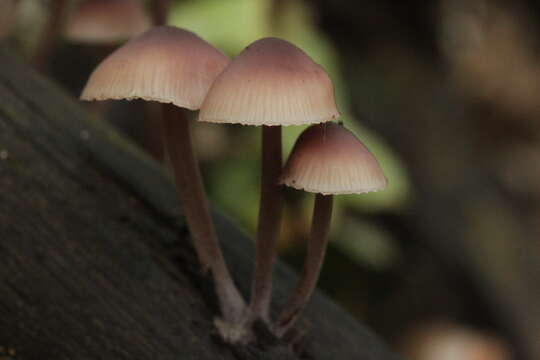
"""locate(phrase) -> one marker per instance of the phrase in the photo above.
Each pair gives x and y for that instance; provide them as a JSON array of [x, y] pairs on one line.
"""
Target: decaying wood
[[95, 262]]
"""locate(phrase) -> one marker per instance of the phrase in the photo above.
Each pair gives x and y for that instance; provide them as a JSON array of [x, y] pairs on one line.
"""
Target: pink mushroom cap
[[330, 160], [271, 82], [165, 64]]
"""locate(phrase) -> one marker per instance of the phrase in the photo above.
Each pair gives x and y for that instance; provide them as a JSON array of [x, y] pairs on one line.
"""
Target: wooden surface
[[95, 262]]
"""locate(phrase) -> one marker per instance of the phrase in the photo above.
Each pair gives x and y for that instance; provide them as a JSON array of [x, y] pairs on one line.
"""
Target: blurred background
[[445, 263]]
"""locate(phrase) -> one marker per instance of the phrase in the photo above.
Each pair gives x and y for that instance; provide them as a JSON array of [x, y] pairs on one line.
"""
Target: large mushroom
[[96, 22], [174, 67], [328, 160], [270, 84]]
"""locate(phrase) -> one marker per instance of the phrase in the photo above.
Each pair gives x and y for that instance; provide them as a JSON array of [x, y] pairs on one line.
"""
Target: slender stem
[[154, 131], [269, 223], [50, 33], [322, 214], [278, 9], [160, 11], [189, 184]]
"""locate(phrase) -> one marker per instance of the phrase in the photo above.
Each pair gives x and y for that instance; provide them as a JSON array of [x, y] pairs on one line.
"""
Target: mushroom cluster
[[271, 83]]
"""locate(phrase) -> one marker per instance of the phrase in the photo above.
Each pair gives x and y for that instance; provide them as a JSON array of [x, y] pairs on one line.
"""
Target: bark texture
[[95, 261]]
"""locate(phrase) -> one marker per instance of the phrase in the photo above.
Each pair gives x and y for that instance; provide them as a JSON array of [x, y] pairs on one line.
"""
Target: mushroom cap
[[329, 159], [165, 64], [106, 21], [271, 82]]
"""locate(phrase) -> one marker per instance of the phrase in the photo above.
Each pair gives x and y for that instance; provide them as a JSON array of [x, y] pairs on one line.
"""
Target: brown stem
[[154, 130], [50, 33], [322, 214], [278, 9], [190, 187], [160, 11], [269, 223]]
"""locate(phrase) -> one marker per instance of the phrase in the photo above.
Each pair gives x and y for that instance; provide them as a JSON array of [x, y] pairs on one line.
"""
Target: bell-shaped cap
[[106, 21], [165, 64], [329, 159], [271, 82]]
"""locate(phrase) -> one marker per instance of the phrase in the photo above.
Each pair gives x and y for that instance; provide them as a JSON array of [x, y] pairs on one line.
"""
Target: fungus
[[271, 83], [328, 160], [174, 67], [57, 11], [160, 11], [106, 21], [103, 24]]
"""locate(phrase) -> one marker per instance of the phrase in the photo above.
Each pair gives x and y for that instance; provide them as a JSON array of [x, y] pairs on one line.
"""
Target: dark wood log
[[95, 261]]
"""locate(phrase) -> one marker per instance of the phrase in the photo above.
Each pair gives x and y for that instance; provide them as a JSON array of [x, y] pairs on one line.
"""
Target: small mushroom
[[174, 67], [106, 21], [57, 12], [327, 159], [160, 11], [97, 22]]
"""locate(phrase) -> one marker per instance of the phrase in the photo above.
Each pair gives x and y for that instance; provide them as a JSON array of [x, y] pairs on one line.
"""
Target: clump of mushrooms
[[103, 24], [271, 83]]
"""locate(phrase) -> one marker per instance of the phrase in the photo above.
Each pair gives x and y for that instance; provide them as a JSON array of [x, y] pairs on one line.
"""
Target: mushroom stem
[[322, 215], [49, 35], [153, 126], [196, 210], [269, 223], [160, 11]]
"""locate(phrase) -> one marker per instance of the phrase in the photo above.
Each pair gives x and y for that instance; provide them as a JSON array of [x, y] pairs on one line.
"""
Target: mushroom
[[174, 67], [57, 11], [106, 21], [327, 159], [271, 83], [160, 11]]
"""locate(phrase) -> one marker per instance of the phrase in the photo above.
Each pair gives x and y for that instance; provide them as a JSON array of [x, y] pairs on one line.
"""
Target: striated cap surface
[[271, 82], [165, 64], [106, 21], [329, 159]]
